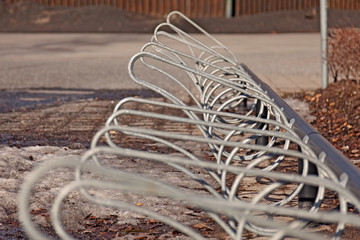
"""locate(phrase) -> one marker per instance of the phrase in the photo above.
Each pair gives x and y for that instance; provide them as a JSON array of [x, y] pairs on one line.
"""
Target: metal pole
[[229, 6], [307, 195], [261, 111], [323, 31]]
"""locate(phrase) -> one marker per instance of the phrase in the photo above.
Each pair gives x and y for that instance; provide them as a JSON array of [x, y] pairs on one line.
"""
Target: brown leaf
[[202, 226]]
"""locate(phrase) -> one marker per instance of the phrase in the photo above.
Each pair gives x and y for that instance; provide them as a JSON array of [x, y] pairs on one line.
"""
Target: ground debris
[[337, 112]]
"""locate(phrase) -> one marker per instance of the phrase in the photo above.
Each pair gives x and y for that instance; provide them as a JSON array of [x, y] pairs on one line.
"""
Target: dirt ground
[[65, 128], [71, 120], [31, 17]]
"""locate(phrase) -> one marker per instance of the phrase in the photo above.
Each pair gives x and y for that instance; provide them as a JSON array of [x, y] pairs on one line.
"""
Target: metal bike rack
[[254, 139]]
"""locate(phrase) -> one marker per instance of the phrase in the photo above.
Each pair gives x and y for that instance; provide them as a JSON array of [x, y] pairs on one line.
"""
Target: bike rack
[[254, 137]]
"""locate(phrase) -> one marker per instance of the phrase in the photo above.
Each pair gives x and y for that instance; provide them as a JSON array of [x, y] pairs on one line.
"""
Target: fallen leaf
[[202, 226]]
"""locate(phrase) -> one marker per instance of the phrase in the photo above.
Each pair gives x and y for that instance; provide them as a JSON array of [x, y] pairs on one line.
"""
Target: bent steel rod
[[235, 138]]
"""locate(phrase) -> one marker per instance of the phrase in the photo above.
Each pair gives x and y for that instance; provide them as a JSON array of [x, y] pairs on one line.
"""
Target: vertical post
[[323, 31], [307, 195], [262, 112], [229, 10]]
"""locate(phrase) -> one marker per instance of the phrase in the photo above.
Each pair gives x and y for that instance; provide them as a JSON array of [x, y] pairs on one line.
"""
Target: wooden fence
[[247, 7], [202, 8]]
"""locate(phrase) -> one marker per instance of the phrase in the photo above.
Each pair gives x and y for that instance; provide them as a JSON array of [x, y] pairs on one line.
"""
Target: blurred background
[[141, 16]]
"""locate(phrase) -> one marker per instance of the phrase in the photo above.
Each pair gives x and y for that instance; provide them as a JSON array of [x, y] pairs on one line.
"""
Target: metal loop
[[252, 183]]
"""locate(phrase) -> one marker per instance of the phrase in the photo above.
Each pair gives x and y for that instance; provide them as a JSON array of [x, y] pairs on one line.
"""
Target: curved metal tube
[[251, 187]]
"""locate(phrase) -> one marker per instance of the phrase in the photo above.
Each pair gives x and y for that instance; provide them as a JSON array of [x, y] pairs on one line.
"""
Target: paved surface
[[288, 62]]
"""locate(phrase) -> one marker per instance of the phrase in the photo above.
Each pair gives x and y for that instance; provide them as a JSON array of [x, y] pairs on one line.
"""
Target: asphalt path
[[288, 62]]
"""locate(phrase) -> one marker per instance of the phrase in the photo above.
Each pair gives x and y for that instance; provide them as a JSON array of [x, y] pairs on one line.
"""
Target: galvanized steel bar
[[333, 158]]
